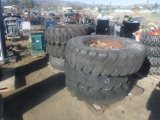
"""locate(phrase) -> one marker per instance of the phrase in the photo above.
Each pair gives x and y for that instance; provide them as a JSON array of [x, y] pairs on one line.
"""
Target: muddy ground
[[41, 94]]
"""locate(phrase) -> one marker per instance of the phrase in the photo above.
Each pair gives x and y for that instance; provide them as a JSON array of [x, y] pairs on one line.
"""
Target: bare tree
[[155, 6], [136, 9]]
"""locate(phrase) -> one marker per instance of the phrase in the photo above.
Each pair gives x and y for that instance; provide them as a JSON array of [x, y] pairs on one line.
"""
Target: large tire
[[92, 81], [153, 61], [101, 96], [56, 63], [56, 51], [153, 40], [59, 35], [105, 62], [152, 51], [47, 34], [154, 71], [150, 70]]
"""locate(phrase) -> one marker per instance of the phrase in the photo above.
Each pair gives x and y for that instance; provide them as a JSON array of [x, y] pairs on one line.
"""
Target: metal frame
[[3, 51], [12, 28]]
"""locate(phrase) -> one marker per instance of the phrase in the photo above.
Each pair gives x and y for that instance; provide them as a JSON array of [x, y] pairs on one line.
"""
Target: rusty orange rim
[[154, 33], [105, 44]]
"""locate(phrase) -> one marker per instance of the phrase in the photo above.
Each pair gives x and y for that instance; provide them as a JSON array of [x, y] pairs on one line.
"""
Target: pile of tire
[[101, 76], [57, 37], [152, 61]]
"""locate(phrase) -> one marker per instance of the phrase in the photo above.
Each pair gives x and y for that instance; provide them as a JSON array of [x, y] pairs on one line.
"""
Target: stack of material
[[152, 62], [57, 38], [97, 67]]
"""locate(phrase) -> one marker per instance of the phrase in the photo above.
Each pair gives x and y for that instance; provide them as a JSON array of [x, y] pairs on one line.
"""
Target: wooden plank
[[38, 55], [95, 109], [137, 90], [147, 82], [156, 76], [152, 77], [6, 89], [100, 109], [7, 81]]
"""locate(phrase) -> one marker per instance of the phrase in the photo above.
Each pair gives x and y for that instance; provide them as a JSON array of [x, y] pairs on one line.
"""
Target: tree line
[[24, 3]]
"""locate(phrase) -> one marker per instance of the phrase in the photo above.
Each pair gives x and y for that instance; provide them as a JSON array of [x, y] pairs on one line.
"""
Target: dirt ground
[[42, 95]]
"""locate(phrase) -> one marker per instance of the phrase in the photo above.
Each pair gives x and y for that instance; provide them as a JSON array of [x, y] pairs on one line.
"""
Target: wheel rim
[[154, 33], [105, 44]]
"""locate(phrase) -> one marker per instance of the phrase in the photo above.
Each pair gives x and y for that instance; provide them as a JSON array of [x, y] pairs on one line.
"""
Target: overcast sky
[[118, 2]]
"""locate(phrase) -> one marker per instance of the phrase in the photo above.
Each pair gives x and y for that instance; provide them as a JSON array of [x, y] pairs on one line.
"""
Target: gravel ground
[[42, 95]]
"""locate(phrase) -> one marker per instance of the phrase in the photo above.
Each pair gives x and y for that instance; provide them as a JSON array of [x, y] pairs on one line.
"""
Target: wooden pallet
[[100, 109], [7, 80]]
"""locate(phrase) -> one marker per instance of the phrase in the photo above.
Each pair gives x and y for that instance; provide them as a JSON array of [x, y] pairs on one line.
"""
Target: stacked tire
[[152, 61], [100, 76], [57, 38]]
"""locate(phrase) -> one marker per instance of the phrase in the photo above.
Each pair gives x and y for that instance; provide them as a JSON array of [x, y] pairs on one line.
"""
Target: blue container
[[49, 23], [20, 21]]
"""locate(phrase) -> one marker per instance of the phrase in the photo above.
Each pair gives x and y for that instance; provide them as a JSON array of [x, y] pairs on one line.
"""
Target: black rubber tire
[[46, 35], [92, 81], [153, 40], [50, 35], [101, 96], [56, 51], [152, 61], [150, 70], [60, 34], [152, 51], [53, 33], [154, 70], [0, 72], [117, 62], [56, 63]]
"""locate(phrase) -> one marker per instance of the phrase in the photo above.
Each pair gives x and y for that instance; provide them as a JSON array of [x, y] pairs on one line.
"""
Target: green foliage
[[106, 10], [15, 2], [147, 7], [99, 9], [79, 8], [76, 7], [112, 9], [136, 9], [28, 3], [155, 6], [11, 2]]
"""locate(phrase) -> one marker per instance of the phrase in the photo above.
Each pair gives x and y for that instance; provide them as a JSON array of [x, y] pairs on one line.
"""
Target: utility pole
[[3, 52], [27, 5]]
